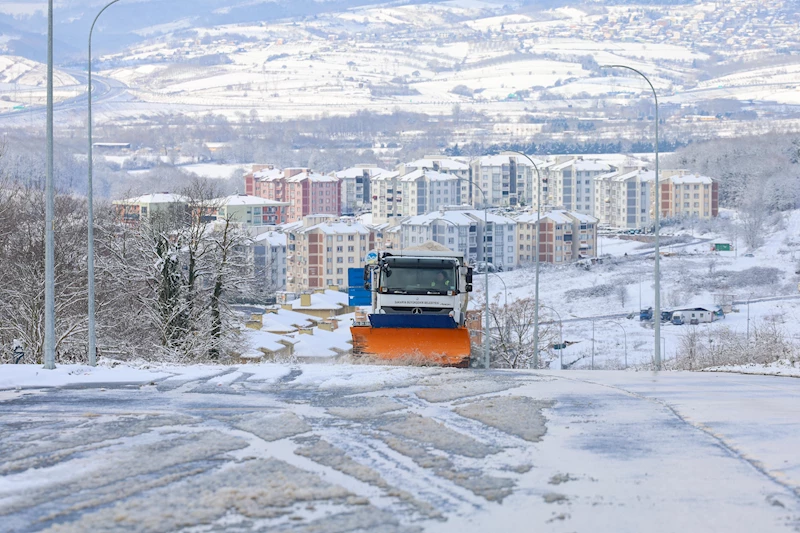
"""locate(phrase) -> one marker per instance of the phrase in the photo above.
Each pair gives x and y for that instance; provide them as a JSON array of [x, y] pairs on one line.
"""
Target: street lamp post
[[625, 338], [505, 299], [535, 259], [486, 270], [592, 344], [90, 204], [657, 185], [49, 252]]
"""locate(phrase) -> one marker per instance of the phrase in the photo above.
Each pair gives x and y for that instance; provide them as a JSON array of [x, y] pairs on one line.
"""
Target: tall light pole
[[486, 270], [49, 251], [505, 309], [535, 258], [90, 204], [657, 185], [625, 337]]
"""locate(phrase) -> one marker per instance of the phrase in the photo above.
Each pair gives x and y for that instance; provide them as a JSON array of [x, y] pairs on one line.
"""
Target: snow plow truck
[[419, 305]]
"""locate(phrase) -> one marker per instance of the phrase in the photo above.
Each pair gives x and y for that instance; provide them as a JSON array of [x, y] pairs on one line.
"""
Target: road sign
[[371, 258]]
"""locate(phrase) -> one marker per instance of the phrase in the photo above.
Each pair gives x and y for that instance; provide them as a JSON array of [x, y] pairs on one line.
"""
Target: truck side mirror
[[366, 272], [367, 285], [469, 275], [468, 287]]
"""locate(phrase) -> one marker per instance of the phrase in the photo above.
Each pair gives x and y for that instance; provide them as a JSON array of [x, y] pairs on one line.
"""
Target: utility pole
[[49, 252], [592, 344]]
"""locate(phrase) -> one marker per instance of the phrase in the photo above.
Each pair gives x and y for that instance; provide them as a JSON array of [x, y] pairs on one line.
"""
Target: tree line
[[164, 284]]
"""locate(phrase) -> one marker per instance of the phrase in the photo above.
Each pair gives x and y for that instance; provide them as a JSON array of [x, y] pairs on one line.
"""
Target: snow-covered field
[[342, 447]]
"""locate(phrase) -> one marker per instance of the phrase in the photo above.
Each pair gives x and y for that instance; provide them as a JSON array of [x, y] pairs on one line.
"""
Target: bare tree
[[512, 333]]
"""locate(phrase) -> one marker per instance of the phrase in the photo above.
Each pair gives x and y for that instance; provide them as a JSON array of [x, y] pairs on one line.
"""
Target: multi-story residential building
[[624, 198], [265, 181], [416, 193], [269, 259], [386, 197], [571, 183], [320, 251], [356, 187], [307, 192], [507, 180], [463, 230], [443, 165], [133, 210], [250, 210], [311, 193], [686, 195], [564, 236]]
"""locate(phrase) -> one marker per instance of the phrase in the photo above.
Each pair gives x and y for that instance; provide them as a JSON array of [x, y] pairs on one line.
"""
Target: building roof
[[338, 228], [446, 163], [268, 174], [328, 299], [311, 176], [430, 175], [155, 198], [559, 216], [691, 178], [460, 217], [244, 199], [274, 238], [357, 172]]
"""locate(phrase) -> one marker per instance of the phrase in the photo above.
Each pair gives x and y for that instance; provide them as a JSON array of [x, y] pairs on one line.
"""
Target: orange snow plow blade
[[423, 346]]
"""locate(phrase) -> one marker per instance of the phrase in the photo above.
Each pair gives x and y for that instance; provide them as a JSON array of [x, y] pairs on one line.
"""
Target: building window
[[350, 260], [339, 238], [340, 260], [339, 270]]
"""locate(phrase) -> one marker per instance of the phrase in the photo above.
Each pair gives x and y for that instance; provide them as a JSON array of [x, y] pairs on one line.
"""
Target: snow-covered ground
[[396, 449]]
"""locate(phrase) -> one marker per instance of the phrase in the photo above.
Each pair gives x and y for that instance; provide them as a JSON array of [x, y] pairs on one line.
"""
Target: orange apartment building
[[564, 236]]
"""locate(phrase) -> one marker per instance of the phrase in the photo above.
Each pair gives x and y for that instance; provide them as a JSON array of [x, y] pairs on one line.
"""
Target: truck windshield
[[405, 275]]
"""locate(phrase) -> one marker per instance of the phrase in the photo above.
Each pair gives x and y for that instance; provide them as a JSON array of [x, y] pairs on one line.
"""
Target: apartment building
[[269, 260], [320, 251], [571, 183], [564, 236], [464, 230], [250, 210], [356, 187], [307, 192], [624, 198], [685, 195], [386, 197], [507, 180], [133, 210], [415, 193], [443, 165]]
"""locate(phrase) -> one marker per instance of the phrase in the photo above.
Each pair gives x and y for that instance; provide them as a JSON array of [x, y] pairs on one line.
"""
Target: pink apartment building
[[307, 192]]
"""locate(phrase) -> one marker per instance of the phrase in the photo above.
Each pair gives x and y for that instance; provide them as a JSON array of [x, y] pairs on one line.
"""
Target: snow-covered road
[[337, 448]]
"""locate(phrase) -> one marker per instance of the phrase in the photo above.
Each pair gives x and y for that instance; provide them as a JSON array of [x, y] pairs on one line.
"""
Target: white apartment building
[[507, 180], [443, 165], [269, 259], [385, 197], [356, 187], [571, 183], [320, 251], [624, 198], [415, 193], [463, 230]]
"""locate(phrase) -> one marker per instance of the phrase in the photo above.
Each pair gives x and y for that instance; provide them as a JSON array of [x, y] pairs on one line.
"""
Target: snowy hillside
[[692, 276]]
